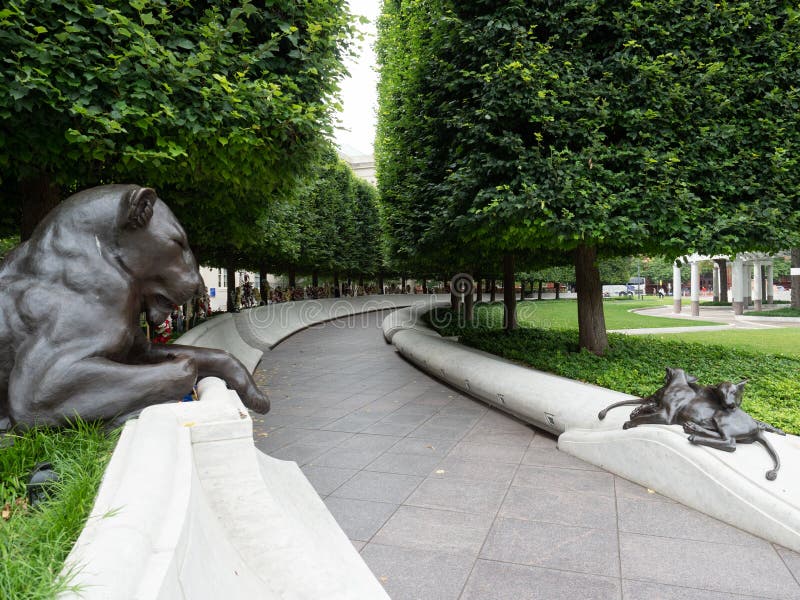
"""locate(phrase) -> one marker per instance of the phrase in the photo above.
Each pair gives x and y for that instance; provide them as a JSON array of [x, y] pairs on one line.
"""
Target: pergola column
[[747, 289], [676, 289], [770, 286], [757, 287], [695, 275], [737, 286], [716, 283]]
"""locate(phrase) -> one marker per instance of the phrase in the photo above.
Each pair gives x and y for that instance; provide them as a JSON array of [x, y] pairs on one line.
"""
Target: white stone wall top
[[190, 509]]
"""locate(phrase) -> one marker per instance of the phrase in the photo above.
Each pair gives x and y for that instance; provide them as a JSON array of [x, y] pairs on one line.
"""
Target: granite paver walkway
[[447, 498]]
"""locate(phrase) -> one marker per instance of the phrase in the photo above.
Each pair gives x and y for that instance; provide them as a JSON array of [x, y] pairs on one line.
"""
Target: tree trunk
[[796, 278], [521, 291], [591, 320], [231, 271], [479, 290], [539, 290], [469, 307], [337, 291], [492, 290], [315, 279], [509, 297], [723, 279], [380, 283], [39, 196], [403, 284], [558, 289], [424, 286], [292, 278]]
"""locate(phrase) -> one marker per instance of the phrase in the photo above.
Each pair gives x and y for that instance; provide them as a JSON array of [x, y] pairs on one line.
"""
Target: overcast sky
[[359, 94]]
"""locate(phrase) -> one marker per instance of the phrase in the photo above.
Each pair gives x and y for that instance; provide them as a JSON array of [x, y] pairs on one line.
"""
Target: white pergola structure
[[747, 270]]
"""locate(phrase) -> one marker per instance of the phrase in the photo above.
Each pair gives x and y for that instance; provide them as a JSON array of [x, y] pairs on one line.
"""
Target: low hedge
[[778, 312], [635, 365]]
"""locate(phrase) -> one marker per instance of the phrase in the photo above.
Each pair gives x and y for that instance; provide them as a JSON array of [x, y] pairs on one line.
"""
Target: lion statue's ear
[[140, 203]]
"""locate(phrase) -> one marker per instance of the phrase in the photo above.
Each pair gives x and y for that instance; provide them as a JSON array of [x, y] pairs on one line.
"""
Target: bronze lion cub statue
[[70, 341]]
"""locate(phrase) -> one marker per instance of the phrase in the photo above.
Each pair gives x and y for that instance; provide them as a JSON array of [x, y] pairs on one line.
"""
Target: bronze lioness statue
[[711, 414], [715, 419], [664, 405], [70, 340]]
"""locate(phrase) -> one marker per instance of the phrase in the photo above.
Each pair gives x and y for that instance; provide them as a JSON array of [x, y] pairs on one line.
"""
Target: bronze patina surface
[[70, 299]]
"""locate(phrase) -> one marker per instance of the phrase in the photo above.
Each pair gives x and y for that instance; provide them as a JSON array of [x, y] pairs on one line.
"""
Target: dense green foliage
[[778, 312], [340, 228], [221, 106], [534, 127], [7, 244], [35, 542], [635, 365], [659, 126]]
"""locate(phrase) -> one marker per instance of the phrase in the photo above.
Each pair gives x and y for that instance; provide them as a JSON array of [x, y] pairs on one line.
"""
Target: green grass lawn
[[35, 541], [563, 314], [784, 340]]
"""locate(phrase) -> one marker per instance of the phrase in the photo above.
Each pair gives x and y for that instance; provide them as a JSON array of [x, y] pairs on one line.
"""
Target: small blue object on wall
[[212, 292]]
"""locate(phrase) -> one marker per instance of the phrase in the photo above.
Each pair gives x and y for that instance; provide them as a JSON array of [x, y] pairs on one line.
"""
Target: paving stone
[[553, 546], [443, 428], [405, 463], [481, 497], [435, 530], [430, 400], [322, 437], [549, 457], [344, 458], [327, 479], [753, 570], [792, 560], [379, 487], [501, 581], [543, 439], [565, 480], [369, 443], [641, 590], [299, 453], [566, 508], [359, 519], [423, 446], [488, 452], [634, 491], [500, 438], [670, 519], [416, 409], [501, 473], [353, 423], [497, 420], [400, 425], [411, 574], [278, 438]]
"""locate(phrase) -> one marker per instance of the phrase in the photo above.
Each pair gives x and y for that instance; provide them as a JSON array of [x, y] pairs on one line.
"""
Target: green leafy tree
[[594, 129], [218, 105]]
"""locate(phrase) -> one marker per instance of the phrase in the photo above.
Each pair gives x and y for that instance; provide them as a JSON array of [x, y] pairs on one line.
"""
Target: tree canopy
[[603, 128], [219, 105]]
